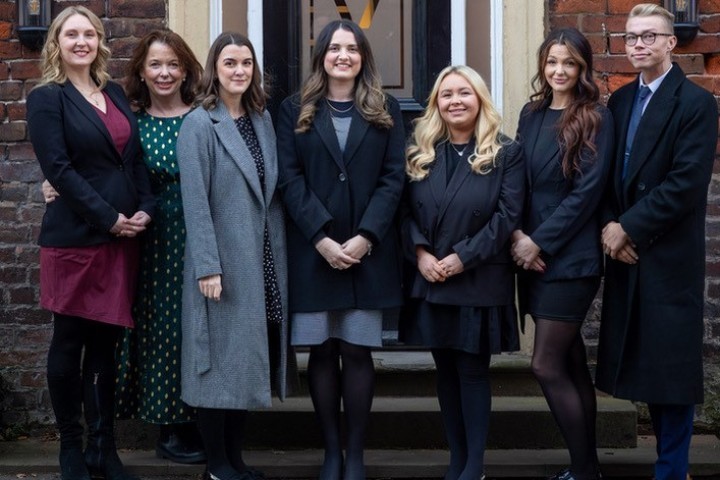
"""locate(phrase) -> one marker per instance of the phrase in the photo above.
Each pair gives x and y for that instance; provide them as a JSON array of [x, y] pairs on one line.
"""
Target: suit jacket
[[340, 194], [79, 159], [225, 346], [473, 215], [562, 216], [651, 332]]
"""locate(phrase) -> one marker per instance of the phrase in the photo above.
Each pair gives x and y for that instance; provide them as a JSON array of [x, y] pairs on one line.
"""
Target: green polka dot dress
[[148, 385]]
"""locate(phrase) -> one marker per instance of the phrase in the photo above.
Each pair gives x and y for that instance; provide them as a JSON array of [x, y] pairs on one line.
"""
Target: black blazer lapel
[[621, 117], [326, 130], [454, 185], [77, 98]]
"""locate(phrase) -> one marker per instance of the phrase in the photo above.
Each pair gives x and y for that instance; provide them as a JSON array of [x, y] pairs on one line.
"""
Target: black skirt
[[563, 300], [470, 329]]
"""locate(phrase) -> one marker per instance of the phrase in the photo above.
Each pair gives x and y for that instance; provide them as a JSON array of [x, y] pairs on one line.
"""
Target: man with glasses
[[651, 335]]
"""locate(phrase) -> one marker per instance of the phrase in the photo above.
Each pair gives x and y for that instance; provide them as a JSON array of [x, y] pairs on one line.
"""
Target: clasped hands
[[342, 256], [434, 270], [526, 253], [124, 226], [617, 244]]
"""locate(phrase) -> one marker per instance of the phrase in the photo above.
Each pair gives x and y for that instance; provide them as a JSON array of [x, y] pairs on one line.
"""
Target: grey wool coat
[[225, 351]]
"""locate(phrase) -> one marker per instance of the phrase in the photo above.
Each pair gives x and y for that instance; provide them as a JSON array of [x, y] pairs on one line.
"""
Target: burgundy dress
[[95, 282]]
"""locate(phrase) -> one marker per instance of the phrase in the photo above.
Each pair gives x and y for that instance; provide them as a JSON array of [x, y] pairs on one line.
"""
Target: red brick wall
[[25, 330], [700, 59]]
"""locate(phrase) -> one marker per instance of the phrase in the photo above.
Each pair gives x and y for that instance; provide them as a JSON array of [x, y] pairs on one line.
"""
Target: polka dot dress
[[148, 384], [273, 305]]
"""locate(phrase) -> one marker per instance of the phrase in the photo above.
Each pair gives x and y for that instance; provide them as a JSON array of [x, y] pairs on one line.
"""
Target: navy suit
[[79, 159]]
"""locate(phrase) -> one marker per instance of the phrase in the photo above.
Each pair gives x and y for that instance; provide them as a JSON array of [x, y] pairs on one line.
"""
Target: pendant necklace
[[459, 152], [90, 96]]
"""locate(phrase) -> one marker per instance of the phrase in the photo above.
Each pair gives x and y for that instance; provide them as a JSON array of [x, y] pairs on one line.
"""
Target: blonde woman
[[464, 200], [86, 139]]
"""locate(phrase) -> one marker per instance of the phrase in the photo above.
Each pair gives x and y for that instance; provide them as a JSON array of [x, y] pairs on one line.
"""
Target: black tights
[[73, 334], [463, 389], [560, 364], [354, 383], [222, 432]]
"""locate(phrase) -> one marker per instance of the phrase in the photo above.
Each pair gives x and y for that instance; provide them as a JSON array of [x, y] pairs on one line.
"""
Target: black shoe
[[66, 397], [172, 446], [564, 475]]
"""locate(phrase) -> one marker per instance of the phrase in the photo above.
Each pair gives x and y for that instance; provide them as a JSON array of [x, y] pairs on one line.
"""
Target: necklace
[[89, 95], [459, 152], [337, 109]]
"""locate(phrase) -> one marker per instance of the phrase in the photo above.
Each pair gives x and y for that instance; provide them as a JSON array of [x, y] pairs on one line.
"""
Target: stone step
[[415, 423], [38, 459], [411, 373]]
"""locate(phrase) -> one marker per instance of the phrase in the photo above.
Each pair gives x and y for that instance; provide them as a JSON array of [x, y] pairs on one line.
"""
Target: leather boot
[[66, 396], [101, 455], [180, 443]]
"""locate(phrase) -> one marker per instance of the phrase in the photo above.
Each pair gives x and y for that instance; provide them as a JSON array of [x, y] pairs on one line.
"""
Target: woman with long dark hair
[[567, 137], [234, 310], [340, 148]]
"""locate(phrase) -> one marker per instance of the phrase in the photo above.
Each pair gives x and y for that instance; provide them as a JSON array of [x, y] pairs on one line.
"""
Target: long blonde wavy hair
[[52, 65], [430, 129], [369, 97]]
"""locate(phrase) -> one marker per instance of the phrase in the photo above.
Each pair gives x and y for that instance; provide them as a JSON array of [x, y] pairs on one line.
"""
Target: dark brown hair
[[369, 96], [580, 121], [137, 91], [254, 98]]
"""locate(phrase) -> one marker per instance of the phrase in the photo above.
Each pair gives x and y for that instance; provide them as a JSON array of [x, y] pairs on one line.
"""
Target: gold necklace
[[337, 109], [90, 96]]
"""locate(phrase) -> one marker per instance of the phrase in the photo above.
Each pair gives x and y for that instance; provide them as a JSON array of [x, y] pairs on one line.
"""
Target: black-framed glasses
[[648, 38]]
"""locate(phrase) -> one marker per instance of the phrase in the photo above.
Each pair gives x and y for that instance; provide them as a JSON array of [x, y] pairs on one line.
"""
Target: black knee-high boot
[[101, 454], [66, 397]]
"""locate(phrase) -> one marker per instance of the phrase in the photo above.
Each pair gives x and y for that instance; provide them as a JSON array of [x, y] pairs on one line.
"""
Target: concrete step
[[402, 372], [33, 458], [415, 423]]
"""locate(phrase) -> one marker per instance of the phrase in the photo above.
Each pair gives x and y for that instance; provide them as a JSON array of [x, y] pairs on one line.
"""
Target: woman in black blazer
[[463, 202], [85, 138], [340, 150], [567, 138]]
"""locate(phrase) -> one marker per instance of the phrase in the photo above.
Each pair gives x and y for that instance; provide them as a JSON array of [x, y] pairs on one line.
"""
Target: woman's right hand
[[429, 266], [333, 253], [49, 193], [211, 287]]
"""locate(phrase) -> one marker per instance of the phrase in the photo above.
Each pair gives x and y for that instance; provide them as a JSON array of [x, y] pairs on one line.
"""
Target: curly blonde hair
[[430, 129], [52, 65]]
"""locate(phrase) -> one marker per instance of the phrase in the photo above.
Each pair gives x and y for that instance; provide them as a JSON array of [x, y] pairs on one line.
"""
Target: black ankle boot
[[176, 443], [101, 455], [66, 396]]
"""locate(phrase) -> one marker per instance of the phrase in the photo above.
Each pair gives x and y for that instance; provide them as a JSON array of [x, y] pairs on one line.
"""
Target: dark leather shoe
[[175, 450]]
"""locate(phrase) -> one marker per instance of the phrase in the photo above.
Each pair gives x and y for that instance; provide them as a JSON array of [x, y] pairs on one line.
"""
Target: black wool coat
[[651, 333], [341, 194]]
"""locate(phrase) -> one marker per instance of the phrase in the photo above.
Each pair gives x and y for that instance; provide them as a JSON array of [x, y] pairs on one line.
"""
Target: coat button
[[425, 231], [641, 187], [419, 204], [342, 177], [476, 212]]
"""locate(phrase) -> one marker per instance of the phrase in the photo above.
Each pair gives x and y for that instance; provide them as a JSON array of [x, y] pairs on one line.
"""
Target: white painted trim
[[458, 35], [255, 29], [215, 19], [496, 52]]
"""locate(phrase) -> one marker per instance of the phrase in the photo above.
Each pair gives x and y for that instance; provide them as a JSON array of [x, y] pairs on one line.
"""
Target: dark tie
[[635, 116]]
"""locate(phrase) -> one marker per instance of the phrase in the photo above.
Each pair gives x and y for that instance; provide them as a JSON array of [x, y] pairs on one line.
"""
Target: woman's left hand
[[49, 193], [357, 247], [452, 265], [526, 253], [135, 224]]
